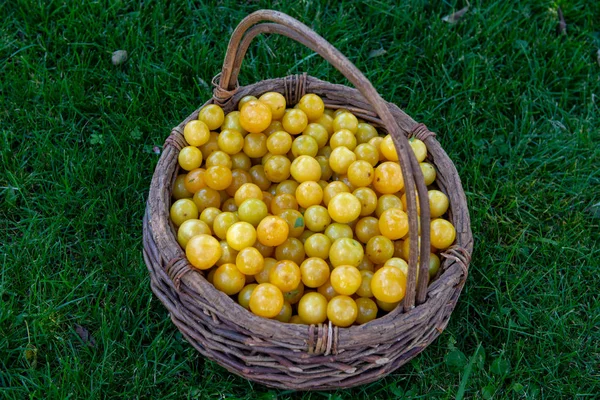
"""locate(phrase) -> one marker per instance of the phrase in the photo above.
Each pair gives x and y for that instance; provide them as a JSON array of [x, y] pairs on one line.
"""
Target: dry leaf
[[562, 25], [31, 355], [377, 53], [119, 57], [455, 17], [85, 335]]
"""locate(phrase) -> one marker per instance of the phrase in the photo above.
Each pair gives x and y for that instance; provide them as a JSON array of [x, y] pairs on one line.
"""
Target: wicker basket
[[296, 356]]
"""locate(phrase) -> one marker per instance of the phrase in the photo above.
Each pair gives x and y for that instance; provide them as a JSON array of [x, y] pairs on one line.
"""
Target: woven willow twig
[[299, 356]]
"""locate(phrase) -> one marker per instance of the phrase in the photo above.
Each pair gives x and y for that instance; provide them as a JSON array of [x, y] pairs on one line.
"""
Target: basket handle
[[294, 29]]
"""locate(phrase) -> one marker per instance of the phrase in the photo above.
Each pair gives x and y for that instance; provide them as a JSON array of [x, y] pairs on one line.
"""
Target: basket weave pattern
[[296, 356]]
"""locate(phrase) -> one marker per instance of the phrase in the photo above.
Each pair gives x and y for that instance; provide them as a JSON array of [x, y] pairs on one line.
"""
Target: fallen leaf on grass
[[455, 17], [562, 24], [31, 355], [377, 53], [85, 335], [119, 57]]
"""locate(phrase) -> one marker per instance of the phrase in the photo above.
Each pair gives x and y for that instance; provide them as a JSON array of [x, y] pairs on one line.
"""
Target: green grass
[[515, 105]]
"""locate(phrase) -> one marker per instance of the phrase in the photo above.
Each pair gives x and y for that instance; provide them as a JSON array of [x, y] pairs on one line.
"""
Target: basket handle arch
[[282, 24]]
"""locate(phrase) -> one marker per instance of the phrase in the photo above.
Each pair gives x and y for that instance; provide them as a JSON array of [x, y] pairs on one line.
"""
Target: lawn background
[[514, 103]]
